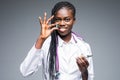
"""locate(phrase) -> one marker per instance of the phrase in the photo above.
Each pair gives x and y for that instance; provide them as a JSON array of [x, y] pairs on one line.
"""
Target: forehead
[[64, 12]]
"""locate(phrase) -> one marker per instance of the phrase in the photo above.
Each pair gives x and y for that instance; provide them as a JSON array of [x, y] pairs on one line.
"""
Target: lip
[[62, 29]]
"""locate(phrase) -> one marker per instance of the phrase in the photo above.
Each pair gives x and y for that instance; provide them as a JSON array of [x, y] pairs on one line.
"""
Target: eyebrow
[[64, 17]]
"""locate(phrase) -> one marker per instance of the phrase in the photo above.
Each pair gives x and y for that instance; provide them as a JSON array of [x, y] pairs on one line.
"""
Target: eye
[[57, 20], [67, 19]]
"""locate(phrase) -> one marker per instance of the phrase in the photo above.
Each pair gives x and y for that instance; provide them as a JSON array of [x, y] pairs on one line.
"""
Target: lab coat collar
[[73, 40]]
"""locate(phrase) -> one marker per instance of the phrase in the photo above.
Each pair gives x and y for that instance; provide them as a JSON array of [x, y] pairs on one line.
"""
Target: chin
[[64, 34]]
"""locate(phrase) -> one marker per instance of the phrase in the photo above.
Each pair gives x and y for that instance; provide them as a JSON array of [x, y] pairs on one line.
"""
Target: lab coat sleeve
[[90, 60], [32, 61]]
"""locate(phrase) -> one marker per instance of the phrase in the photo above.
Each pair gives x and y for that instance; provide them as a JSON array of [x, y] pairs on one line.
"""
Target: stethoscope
[[57, 73]]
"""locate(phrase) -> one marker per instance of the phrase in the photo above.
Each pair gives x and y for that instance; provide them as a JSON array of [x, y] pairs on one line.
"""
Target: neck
[[66, 38]]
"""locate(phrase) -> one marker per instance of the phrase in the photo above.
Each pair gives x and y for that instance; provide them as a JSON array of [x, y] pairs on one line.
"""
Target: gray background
[[98, 21]]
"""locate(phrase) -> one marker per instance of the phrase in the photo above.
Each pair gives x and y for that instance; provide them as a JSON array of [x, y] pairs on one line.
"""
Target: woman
[[62, 54]]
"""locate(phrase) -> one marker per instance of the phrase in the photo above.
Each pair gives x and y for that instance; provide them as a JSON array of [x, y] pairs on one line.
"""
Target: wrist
[[85, 75], [39, 42]]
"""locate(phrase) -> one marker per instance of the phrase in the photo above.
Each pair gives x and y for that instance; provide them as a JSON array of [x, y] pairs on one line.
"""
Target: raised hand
[[46, 28]]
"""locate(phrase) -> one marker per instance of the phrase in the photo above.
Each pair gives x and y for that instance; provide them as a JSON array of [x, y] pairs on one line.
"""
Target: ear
[[74, 21]]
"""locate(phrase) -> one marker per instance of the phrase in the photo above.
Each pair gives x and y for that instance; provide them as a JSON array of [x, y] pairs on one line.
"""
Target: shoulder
[[83, 45], [80, 41]]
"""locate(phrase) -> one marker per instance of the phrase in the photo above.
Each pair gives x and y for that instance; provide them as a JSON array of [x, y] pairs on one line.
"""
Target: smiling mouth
[[62, 29]]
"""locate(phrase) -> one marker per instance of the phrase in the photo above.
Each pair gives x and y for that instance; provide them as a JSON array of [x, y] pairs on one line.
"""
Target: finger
[[40, 20], [80, 65], [78, 62], [52, 25], [49, 19], [85, 61], [81, 62], [45, 15], [54, 29]]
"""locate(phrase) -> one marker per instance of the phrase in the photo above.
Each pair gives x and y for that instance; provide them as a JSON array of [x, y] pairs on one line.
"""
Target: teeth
[[62, 29]]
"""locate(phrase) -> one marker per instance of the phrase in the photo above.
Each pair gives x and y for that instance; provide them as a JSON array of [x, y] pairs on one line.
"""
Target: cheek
[[70, 25]]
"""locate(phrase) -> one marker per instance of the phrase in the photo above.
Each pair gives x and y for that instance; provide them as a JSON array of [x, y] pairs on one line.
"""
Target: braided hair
[[54, 34]]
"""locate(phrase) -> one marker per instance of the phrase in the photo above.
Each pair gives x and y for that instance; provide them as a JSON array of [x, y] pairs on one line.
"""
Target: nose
[[62, 23]]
